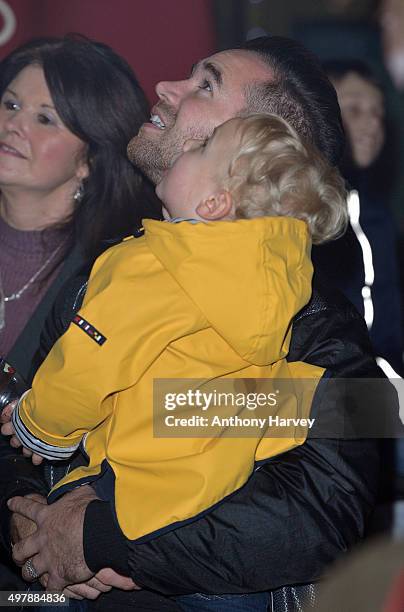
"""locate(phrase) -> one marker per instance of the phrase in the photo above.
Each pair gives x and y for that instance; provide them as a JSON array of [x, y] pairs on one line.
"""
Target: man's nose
[[171, 91]]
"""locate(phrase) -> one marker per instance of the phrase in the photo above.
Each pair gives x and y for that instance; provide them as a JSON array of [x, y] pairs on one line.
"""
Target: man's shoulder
[[330, 332], [326, 302]]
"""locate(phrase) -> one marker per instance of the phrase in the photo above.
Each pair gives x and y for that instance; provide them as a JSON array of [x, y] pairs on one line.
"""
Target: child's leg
[[200, 602]]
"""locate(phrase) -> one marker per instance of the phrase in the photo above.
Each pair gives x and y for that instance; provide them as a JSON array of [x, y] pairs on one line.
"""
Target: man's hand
[[21, 527], [56, 547], [91, 589], [102, 582]]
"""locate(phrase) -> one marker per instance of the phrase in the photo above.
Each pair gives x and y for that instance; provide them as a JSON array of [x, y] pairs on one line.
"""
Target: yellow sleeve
[[128, 308]]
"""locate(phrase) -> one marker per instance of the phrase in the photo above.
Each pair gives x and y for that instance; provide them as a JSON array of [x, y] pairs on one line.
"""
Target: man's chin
[[132, 147], [146, 157]]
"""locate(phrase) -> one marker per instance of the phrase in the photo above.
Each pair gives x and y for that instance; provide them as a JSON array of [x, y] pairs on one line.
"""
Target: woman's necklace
[[17, 294]]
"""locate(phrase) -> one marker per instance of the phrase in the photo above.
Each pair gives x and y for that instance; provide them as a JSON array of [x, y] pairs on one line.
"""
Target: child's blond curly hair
[[275, 173]]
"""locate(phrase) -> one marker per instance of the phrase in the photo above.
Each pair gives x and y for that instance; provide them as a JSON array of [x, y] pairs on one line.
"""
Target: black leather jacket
[[295, 515]]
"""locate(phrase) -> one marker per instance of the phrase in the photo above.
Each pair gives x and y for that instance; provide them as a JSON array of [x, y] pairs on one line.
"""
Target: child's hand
[[7, 429], [36, 459], [7, 412]]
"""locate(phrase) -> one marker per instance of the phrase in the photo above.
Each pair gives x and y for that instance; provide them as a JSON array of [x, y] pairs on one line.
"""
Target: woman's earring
[[78, 194]]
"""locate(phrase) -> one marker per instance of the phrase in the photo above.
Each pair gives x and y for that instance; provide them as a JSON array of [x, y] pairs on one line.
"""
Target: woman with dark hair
[[363, 263], [69, 106]]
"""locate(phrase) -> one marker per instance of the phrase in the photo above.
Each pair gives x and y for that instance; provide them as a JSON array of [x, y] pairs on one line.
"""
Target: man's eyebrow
[[214, 71], [209, 67]]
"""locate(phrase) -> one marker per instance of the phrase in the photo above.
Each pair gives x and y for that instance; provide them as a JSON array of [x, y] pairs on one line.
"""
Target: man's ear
[[215, 207]]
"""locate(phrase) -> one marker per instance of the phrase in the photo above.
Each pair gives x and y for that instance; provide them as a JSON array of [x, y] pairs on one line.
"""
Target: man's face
[[191, 109], [199, 172]]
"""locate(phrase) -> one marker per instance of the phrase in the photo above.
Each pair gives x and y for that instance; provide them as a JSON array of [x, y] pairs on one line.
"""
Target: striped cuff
[[28, 440]]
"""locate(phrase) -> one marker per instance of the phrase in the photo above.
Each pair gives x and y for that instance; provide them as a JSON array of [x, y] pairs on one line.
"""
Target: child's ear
[[216, 207]]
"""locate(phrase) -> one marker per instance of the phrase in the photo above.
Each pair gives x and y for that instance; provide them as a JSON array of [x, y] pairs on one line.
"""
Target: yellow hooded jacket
[[203, 301]]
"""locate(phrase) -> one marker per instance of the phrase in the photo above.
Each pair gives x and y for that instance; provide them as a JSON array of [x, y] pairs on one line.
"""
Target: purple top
[[22, 253]]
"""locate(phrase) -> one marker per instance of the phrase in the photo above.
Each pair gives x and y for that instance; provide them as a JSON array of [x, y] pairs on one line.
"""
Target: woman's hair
[[275, 173], [386, 163], [338, 69], [98, 98]]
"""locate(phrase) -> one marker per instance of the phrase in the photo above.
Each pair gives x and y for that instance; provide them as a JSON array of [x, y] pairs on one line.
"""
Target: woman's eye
[[10, 105], [206, 86], [45, 120]]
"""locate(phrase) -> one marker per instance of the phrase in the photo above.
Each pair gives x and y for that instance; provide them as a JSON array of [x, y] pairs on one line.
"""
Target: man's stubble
[[154, 157]]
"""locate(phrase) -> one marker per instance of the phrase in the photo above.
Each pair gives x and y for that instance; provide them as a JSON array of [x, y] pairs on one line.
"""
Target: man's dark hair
[[300, 92]]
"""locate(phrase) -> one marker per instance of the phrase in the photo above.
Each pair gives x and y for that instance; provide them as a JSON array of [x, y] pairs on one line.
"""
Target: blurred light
[[393, 377], [354, 210], [387, 368], [9, 22]]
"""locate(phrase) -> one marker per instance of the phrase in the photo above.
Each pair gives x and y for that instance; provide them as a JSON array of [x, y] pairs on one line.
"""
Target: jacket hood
[[248, 277]]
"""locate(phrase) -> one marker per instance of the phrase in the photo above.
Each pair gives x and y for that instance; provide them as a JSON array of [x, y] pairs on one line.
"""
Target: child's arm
[[119, 331], [7, 429]]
